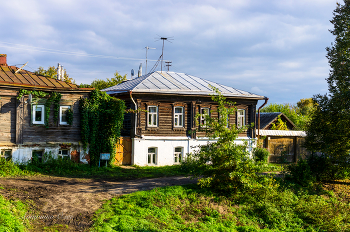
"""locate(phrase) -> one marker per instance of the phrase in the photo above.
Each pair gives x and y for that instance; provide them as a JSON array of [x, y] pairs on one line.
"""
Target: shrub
[[300, 173], [261, 154]]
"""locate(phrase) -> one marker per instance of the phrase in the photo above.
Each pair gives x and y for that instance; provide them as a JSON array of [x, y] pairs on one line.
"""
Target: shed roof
[[282, 133], [266, 118], [176, 83], [25, 78]]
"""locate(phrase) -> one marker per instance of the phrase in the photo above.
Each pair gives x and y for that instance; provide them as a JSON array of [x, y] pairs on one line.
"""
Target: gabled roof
[[24, 78], [176, 83], [266, 119]]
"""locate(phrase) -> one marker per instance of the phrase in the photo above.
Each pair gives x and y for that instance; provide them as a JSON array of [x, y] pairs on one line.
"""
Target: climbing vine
[[52, 98], [101, 120], [69, 116]]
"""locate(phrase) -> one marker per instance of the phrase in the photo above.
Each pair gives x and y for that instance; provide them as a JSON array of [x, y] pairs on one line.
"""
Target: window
[[240, 118], [178, 155], [178, 117], [38, 114], [204, 113], [152, 155], [37, 156], [63, 154], [63, 115], [152, 116], [6, 154]]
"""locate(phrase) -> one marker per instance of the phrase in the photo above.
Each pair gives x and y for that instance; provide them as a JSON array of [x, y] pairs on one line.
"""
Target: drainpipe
[[266, 99], [135, 110]]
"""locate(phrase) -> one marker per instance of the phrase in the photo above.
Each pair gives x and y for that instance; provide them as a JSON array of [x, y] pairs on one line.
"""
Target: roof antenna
[[168, 64], [21, 68], [167, 39], [146, 57], [140, 70]]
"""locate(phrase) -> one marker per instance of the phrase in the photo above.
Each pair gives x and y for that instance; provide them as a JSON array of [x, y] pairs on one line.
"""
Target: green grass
[[67, 168], [12, 215], [189, 208]]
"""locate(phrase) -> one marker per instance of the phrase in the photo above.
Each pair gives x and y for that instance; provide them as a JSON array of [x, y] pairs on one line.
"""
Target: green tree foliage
[[102, 84], [51, 72], [101, 121], [329, 129], [224, 165], [299, 114], [279, 125]]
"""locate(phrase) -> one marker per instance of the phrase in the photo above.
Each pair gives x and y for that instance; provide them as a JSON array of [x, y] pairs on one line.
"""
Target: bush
[[300, 173], [261, 154]]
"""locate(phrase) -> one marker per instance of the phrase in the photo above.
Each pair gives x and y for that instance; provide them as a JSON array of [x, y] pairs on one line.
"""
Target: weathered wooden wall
[[8, 117], [285, 149], [191, 106]]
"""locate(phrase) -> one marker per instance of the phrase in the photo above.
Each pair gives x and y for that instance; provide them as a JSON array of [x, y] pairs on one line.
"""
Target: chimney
[[3, 61]]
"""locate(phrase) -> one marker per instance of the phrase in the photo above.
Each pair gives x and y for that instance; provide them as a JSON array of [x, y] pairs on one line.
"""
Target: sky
[[272, 48]]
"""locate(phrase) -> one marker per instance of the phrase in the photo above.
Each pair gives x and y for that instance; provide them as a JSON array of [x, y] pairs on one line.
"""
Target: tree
[[329, 129], [51, 72], [224, 165], [299, 114], [102, 84]]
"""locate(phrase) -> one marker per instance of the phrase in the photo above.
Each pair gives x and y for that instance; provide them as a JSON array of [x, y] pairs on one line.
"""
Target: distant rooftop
[[176, 83], [24, 78], [267, 118]]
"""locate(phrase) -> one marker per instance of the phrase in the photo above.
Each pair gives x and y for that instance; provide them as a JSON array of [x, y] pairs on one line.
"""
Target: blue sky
[[273, 48]]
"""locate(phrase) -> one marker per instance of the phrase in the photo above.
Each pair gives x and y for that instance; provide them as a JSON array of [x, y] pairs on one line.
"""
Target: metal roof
[[282, 133], [176, 83], [25, 78], [266, 118]]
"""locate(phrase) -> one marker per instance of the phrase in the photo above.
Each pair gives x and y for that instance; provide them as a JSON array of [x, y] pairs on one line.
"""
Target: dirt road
[[71, 202]]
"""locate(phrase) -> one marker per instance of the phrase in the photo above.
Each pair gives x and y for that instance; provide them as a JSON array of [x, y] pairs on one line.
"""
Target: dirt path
[[71, 202]]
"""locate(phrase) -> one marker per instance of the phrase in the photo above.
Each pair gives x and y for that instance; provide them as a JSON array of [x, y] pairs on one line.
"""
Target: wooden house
[[164, 129], [24, 132], [285, 146]]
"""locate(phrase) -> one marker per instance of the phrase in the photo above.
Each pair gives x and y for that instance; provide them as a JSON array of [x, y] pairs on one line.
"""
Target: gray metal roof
[[176, 83]]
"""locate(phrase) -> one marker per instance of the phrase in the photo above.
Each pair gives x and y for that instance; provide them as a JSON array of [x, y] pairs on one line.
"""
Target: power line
[[32, 48]]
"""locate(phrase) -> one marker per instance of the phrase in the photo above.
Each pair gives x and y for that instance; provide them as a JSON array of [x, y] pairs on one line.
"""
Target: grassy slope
[[12, 214], [188, 208]]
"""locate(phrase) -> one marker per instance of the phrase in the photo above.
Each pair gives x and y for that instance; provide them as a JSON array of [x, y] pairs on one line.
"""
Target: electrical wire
[[32, 48]]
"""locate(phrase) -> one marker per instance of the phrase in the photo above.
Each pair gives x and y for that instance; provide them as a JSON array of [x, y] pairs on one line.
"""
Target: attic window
[[38, 114]]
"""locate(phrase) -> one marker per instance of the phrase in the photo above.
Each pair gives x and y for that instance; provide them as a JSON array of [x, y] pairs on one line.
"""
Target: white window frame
[[60, 155], [152, 156], [178, 116], [42, 121], [178, 155], [240, 118], [3, 155], [154, 117], [60, 115], [202, 119]]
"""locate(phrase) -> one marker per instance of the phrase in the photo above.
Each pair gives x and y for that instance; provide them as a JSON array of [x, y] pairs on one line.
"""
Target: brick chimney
[[3, 61]]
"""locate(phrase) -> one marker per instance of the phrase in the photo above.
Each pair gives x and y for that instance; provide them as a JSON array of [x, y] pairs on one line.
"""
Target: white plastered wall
[[166, 147]]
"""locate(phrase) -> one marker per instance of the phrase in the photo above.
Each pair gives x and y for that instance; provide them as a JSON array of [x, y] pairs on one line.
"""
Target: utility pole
[[167, 39], [168, 64], [146, 57]]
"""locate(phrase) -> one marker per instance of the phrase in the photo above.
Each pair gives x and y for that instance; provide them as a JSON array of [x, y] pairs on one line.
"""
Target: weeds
[[12, 215], [68, 168]]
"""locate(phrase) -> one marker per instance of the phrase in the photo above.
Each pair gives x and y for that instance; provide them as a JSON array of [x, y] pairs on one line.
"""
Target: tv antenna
[[168, 64], [146, 57], [167, 39]]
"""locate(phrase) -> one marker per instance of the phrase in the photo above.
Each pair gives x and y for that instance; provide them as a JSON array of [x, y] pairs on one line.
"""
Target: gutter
[[130, 92], [266, 99]]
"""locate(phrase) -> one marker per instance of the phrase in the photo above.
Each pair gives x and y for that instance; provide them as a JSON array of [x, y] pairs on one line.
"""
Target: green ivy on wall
[[101, 120], [53, 98]]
